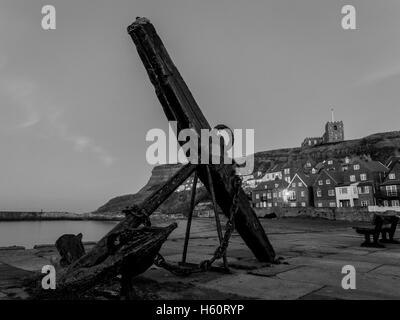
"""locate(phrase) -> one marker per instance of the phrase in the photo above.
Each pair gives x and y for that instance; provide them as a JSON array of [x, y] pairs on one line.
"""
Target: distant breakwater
[[48, 216]]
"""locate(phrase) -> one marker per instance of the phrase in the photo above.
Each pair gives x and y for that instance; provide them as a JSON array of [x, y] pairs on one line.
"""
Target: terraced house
[[389, 190], [299, 192], [269, 194], [324, 188]]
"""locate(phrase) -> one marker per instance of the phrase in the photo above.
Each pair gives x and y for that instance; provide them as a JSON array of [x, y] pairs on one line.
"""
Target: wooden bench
[[389, 229], [382, 224]]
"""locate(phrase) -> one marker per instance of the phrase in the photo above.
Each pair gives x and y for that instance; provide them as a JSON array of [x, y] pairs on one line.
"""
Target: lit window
[[294, 184], [287, 171], [269, 195], [274, 194], [328, 181], [352, 178], [363, 177], [303, 204], [392, 176], [319, 204], [257, 196], [303, 194], [356, 167], [332, 204], [391, 190], [319, 193], [395, 203], [365, 203], [330, 162], [280, 194], [331, 193], [320, 182], [276, 185], [300, 184]]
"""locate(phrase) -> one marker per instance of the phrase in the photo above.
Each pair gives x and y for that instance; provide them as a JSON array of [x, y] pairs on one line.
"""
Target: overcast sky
[[76, 103]]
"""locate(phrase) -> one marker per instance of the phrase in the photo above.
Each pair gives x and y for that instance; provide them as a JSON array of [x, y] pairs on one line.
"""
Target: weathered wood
[[130, 252], [148, 206], [70, 248], [179, 105]]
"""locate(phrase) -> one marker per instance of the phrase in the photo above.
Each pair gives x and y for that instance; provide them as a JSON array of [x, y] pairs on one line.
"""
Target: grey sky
[[76, 103]]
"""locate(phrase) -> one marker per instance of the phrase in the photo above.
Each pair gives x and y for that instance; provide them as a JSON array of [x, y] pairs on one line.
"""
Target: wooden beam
[[179, 105], [101, 250]]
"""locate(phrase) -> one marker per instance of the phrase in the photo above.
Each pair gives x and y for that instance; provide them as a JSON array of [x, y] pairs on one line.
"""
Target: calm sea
[[30, 233]]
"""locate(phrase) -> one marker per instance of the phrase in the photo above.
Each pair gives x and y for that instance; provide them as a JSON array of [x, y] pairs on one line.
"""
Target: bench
[[382, 224]]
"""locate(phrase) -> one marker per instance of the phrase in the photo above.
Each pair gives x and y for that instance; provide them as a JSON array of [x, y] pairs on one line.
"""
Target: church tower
[[334, 130]]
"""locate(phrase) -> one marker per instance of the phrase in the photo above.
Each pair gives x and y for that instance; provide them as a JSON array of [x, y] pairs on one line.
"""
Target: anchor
[[134, 251]]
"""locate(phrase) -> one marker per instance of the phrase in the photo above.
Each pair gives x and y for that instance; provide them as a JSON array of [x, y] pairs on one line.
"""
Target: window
[[386, 203], [347, 160], [363, 177], [343, 190], [287, 179], [395, 203], [300, 184], [303, 194], [269, 195], [308, 164], [330, 161], [269, 204], [345, 168], [365, 203], [364, 189], [294, 184], [293, 204], [352, 178], [276, 204], [276, 185], [319, 204], [332, 204], [287, 171], [392, 176], [328, 181], [319, 193], [391, 190], [303, 204], [257, 196], [356, 167], [280, 194], [320, 182], [331, 192], [274, 194]]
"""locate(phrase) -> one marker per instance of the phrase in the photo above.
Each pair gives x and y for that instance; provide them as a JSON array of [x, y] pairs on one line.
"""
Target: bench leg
[[367, 242], [374, 244], [393, 231]]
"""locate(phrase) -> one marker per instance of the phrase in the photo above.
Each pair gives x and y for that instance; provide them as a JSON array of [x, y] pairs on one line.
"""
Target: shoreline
[[9, 216]]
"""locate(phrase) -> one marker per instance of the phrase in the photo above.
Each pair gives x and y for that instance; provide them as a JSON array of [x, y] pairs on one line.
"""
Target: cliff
[[378, 146]]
